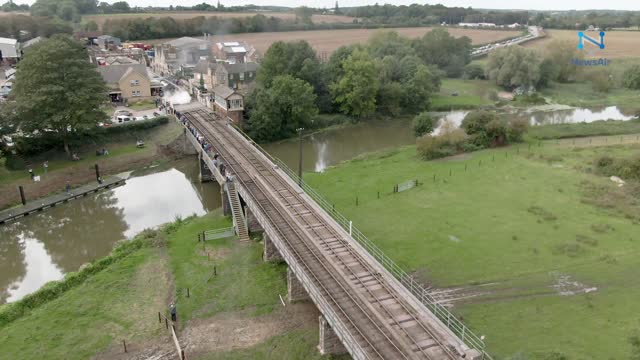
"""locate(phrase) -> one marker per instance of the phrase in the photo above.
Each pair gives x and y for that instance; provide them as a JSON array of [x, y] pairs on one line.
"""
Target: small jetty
[[57, 199]]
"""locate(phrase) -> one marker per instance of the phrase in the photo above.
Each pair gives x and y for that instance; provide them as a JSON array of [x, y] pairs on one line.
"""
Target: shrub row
[[29, 146], [54, 289], [626, 168]]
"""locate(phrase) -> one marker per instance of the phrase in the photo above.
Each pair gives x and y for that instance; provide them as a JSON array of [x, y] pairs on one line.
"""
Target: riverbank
[[123, 156], [461, 232], [232, 314]]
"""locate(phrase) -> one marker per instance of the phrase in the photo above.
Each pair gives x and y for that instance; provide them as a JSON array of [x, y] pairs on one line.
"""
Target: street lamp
[[299, 130]]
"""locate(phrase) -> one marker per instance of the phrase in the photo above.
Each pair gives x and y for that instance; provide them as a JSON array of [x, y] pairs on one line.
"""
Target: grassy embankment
[[123, 156], [217, 319], [513, 231]]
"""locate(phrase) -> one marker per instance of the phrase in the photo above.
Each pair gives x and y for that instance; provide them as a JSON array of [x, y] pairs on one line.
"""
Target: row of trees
[[580, 20], [390, 75], [433, 14], [23, 27]]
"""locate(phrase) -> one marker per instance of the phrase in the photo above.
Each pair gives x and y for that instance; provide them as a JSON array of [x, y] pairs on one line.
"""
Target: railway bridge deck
[[366, 310]]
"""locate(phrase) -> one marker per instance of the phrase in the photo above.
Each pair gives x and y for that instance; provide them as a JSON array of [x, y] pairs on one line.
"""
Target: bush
[[14, 162], [631, 78], [422, 124], [432, 147], [473, 71], [627, 168]]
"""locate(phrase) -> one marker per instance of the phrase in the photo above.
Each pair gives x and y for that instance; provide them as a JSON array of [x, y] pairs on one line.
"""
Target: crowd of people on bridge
[[199, 137]]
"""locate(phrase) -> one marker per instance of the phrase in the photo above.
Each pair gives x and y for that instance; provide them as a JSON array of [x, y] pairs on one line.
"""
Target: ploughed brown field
[[100, 19], [618, 44], [327, 41]]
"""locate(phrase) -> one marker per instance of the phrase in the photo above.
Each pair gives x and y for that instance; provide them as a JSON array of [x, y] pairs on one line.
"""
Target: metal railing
[[422, 294], [218, 233]]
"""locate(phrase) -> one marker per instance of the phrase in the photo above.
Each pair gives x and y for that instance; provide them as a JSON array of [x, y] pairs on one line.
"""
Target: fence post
[[22, 197], [356, 200], [166, 323], [124, 343], [182, 354], [378, 194], [159, 317], [215, 272], [188, 295]]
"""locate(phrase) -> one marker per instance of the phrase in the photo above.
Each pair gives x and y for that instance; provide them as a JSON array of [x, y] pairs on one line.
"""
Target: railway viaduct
[[369, 307]]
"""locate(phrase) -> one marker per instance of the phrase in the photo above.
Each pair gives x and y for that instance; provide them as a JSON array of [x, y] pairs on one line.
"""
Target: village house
[[236, 76], [228, 103], [108, 42], [129, 82], [180, 54]]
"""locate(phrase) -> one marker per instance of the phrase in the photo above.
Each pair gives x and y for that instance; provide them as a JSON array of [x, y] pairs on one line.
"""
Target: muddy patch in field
[[564, 285], [230, 331], [215, 254]]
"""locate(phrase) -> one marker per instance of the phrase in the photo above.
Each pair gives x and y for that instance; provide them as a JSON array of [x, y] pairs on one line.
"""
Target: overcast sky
[[489, 4]]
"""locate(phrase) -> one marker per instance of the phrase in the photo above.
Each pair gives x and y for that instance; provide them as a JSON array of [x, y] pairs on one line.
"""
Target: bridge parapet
[[471, 343]]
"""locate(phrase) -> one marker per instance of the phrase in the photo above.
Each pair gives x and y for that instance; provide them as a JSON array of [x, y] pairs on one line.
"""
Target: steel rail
[[255, 162], [231, 164]]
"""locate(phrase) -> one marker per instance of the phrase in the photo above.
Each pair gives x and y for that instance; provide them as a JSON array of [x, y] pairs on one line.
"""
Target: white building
[[9, 49]]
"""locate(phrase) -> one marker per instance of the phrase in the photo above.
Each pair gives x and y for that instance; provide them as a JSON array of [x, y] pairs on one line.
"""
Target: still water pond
[[43, 247]]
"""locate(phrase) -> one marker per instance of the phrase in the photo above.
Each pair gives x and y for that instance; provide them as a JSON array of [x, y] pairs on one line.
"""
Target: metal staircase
[[239, 222]]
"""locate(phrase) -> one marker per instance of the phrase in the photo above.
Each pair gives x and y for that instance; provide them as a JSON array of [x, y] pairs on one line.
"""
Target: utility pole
[[299, 130]]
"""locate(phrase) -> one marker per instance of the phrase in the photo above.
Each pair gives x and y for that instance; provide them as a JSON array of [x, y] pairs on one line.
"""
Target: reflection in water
[[42, 247], [451, 120], [168, 200], [332, 146], [39, 269], [321, 150], [575, 116]]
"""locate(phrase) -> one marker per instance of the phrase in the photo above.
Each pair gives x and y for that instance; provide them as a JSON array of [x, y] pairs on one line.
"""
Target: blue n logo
[[582, 37]]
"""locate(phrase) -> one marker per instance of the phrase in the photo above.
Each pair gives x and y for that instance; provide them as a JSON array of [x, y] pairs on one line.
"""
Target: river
[[45, 246]]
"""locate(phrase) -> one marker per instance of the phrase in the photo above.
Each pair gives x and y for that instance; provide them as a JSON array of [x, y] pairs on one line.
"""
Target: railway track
[[383, 324]]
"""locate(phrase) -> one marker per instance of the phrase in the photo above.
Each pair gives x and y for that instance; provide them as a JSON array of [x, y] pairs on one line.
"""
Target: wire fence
[[419, 291]]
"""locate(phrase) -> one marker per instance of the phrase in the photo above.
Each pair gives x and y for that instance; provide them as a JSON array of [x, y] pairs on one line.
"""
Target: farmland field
[[529, 245], [619, 44], [317, 18], [328, 41]]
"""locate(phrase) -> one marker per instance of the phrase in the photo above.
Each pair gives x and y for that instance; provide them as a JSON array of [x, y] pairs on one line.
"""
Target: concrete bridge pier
[[271, 253], [226, 205], [295, 291], [205, 173], [253, 224], [329, 343]]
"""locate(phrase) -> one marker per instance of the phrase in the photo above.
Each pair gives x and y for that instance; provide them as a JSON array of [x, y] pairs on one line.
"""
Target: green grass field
[[117, 303], [243, 280], [471, 94], [513, 232], [581, 94]]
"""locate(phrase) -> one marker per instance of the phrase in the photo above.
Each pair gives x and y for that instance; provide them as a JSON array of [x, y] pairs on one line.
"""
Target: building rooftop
[[8, 41], [240, 67], [223, 91], [112, 74], [186, 41]]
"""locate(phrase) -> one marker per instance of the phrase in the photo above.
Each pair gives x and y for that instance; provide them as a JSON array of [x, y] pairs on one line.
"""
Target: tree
[[422, 124], [356, 91], [419, 88], [631, 77], [281, 109], [91, 26], [57, 89], [514, 66], [560, 53], [600, 81], [287, 58], [473, 71], [439, 48]]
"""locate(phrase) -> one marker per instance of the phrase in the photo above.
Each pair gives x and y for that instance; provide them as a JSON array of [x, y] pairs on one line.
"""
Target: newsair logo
[[595, 49]]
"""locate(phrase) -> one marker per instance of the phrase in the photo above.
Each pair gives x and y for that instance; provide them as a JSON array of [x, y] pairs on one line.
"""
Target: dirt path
[[221, 333]]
